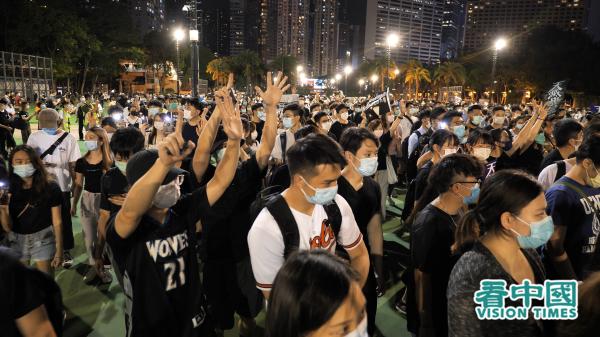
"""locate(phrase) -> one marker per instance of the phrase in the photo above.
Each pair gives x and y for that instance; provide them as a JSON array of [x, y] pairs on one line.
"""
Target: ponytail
[[468, 231]]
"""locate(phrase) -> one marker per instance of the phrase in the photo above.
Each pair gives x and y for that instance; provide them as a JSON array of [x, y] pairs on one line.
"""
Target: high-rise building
[[453, 28], [147, 15], [236, 26], [351, 32], [418, 23], [292, 28], [513, 19], [324, 47], [214, 22]]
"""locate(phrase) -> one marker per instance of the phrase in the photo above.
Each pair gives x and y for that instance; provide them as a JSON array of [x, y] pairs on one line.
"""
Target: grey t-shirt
[[476, 265]]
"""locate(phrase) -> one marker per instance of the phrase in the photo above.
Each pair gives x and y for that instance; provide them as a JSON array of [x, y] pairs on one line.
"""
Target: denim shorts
[[38, 246]]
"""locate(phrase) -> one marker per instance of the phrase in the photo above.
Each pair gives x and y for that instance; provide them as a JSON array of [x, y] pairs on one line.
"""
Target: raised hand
[[173, 148], [272, 95], [232, 123]]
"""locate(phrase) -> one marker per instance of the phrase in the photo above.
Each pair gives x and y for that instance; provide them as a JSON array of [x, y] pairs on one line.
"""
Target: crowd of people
[[207, 209]]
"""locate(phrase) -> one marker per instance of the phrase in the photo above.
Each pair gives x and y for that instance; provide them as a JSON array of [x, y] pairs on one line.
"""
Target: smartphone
[[3, 193]]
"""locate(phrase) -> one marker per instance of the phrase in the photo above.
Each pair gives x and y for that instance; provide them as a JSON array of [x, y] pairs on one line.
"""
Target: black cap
[[141, 162], [220, 139]]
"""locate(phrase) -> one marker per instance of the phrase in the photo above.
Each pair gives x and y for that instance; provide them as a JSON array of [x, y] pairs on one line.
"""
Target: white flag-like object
[[383, 97], [555, 97]]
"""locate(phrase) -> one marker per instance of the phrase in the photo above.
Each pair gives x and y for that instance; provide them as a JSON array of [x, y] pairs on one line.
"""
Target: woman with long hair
[[503, 231], [316, 294], [88, 174], [30, 210], [158, 130]]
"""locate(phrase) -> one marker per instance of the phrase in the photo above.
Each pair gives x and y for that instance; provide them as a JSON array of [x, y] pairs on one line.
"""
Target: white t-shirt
[[67, 152], [277, 148], [266, 241], [548, 174]]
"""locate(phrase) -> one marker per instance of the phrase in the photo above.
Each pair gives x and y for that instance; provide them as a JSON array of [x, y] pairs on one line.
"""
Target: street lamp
[[179, 34], [338, 77], [499, 44], [194, 39], [299, 69], [347, 71], [392, 41], [361, 82], [374, 78]]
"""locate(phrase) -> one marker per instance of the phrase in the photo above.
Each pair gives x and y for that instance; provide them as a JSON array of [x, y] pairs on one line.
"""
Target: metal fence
[[27, 74]]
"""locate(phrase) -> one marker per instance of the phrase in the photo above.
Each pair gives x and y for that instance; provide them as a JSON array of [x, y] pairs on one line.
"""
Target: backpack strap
[[572, 188], [561, 169], [334, 217], [283, 141], [53, 147], [282, 214]]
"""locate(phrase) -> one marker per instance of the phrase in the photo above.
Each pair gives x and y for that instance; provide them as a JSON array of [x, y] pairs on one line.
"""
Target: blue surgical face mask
[[459, 131], [49, 131], [473, 197], [287, 122], [24, 171], [91, 145], [367, 167], [261, 115], [541, 232], [476, 120], [121, 165], [540, 138], [323, 196]]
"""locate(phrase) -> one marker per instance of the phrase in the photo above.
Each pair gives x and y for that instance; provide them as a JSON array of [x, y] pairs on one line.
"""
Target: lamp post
[[338, 77], [391, 41], [194, 37], [178, 35], [299, 71], [498, 45], [347, 71], [374, 79], [361, 82]]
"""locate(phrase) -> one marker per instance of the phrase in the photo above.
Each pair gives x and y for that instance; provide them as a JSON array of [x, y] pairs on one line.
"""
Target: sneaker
[[67, 260], [400, 304], [91, 276], [105, 277]]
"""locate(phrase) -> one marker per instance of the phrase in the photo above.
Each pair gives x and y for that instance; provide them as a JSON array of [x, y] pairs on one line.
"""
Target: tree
[[379, 66], [414, 72], [219, 70], [248, 67], [286, 64], [449, 73]]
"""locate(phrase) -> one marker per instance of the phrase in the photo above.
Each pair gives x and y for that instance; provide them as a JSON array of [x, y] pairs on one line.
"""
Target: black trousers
[[67, 225], [370, 292], [80, 121]]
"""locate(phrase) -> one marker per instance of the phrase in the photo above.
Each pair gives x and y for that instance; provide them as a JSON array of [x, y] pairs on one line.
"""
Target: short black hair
[[256, 106], [448, 117], [443, 174], [313, 150], [108, 121], [319, 115], [340, 107], [589, 149], [474, 107], [155, 103], [437, 112], [195, 102], [115, 109], [352, 139], [305, 131], [477, 135], [294, 108], [127, 141], [498, 108], [3, 101], [441, 136], [564, 130], [314, 105], [424, 114]]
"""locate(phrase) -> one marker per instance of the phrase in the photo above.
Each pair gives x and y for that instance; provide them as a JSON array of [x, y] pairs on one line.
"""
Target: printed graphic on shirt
[[325, 239], [591, 206], [168, 253]]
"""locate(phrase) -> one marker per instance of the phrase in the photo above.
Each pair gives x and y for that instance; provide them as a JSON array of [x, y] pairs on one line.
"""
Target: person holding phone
[[30, 210]]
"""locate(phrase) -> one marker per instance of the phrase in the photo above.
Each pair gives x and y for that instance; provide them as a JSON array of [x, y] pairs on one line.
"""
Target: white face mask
[[187, 114], [499, 120], [482, 153], [326, 125], [378, 133], [159, 125], [167, 195], [254, 135], [344, 116]]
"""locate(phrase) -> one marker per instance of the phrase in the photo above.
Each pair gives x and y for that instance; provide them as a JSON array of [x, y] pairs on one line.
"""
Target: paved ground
[[94, 311]]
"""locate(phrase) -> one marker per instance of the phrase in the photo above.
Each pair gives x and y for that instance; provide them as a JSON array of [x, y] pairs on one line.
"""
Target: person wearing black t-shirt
[[152, 238], [342, 123], [258, 118], [384, 134], [31, 301], [568, 134], [363, 195], [456, 179], [193, 116], [31, 214], [5, 129], [113, 187], [88, 172], [228, 278]]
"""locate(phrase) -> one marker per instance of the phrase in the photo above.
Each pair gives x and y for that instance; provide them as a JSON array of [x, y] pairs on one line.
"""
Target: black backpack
[[561, 169], [272, 199], [411, 160]]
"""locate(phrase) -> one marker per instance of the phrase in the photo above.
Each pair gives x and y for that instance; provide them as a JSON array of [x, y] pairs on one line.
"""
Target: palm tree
[[247, 65], [287, 65], [414, 72], [449, 73], [219, 69]]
